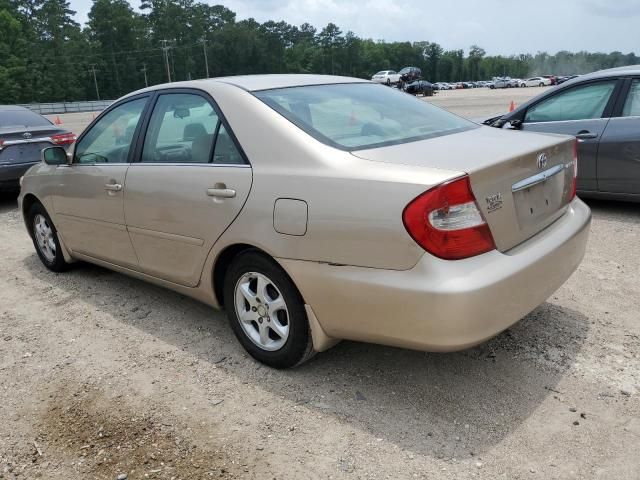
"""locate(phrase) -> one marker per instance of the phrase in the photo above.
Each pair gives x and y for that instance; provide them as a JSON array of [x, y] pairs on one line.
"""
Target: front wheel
[[45, 239], [266, 311]]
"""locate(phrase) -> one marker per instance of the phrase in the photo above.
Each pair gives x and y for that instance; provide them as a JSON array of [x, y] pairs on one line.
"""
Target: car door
[[88, 200], [582, 111], [189, 183], [619, 153]]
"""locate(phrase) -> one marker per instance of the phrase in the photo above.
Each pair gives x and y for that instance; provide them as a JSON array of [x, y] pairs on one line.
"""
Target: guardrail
[[68, 107]]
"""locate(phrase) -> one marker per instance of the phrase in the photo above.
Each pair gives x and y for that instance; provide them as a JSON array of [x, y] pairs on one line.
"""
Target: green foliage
[[46, 56]]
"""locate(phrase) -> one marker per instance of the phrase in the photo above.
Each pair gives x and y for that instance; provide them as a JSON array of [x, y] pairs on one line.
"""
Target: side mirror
[[54, 156]]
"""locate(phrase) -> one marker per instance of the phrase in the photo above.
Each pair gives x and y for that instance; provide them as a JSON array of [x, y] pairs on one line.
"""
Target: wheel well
[[222, 265], [27, 202]]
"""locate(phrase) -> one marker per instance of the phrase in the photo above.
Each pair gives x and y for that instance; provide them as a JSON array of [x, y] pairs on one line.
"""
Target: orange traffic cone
[[58, 121], [512, 107]]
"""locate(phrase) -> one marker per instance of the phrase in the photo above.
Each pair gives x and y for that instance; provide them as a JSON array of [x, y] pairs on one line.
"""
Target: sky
[[499, 26]]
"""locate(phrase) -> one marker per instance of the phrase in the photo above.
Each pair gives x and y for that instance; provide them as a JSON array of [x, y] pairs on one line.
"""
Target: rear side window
[[632, 104], [185, 128], [181, 130], [361, 115], [22, 118], [578, 103]]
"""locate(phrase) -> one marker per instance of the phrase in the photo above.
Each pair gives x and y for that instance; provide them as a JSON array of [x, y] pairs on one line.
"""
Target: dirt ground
[[103, 376]]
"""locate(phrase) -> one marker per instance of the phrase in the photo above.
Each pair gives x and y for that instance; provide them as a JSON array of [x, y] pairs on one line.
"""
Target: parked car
[[552, 79], [388, 77], [23, 134], [501, 83], [313, 209], [420, 87], [535, 82], [410, 74], [602, 110]]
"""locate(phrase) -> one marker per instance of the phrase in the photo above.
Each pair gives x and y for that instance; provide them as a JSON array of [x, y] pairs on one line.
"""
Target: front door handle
[[585, 135], [113, 187], [221, 192]]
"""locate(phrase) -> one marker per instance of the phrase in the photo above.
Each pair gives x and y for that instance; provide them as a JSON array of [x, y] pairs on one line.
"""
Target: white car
[[386, 76], [535, 82]]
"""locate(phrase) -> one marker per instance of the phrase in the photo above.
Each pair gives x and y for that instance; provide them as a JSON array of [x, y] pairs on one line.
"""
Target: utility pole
[[144, 70], [165, 49], [92, 69], [206, 62]]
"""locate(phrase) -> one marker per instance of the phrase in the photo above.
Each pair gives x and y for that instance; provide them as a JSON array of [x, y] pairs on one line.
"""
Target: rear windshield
[[358, 116], [22, 118]]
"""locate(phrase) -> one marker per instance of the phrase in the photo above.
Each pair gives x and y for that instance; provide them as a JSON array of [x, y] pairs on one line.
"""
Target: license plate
[[538, 202]]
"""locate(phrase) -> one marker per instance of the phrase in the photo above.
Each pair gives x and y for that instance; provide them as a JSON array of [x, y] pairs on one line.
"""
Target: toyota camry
[[314, 209]]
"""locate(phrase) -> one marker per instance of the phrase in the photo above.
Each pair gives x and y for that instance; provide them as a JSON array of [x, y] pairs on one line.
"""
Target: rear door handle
[[113, 187], [221, 192], [585, 135]]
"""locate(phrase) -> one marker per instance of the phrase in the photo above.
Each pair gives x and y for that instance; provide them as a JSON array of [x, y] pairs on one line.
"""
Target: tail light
[[574, 185], [63, 138], [447, 223]]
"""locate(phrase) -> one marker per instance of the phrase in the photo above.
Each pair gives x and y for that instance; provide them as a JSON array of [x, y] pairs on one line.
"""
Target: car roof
[[253, 83], [611, 72]]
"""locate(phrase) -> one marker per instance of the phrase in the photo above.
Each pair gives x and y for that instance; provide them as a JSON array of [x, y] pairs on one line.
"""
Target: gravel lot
[[102, 375]]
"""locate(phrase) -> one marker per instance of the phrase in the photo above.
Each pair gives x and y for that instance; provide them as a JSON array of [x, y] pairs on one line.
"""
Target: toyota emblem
[[542, 161]]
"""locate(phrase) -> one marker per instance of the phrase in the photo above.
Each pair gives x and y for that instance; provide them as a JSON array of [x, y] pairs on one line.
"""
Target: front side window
[[109, 140], [578, 103], [632, 104], [181, 130], [361, 115]]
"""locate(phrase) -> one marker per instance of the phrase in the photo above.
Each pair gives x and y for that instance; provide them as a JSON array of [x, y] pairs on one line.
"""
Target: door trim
[[198, 242]]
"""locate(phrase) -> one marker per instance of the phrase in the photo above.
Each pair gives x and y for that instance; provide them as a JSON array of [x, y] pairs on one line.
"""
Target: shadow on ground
[[446, 405], [8, 201]]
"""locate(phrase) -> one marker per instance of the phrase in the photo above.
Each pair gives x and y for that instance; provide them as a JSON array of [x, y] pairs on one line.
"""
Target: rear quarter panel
[[354, 206]]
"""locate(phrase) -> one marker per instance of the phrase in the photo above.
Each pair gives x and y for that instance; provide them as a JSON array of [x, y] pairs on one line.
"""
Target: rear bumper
[[10, 174], [444, 305]]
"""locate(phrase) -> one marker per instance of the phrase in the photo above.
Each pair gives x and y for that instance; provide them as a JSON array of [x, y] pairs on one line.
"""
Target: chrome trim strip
[[8, 143], [536, 179], [197, 242]]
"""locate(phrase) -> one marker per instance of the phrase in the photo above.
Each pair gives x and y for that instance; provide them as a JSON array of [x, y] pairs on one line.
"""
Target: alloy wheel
[[262, 311]]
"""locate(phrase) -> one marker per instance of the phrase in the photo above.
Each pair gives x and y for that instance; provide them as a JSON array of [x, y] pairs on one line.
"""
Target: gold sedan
[[314, 209]]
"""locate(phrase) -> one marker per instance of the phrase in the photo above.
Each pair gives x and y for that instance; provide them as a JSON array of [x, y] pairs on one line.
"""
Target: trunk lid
[[29, 141], [518, 191]]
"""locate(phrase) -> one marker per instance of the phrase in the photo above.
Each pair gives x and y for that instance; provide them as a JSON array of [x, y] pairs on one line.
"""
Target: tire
[[280, 337], [492, 87], [45, 239], [388, 82], [541, 84]]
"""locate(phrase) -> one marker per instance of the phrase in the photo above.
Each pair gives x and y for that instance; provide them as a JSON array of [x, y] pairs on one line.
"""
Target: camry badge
[[542, 161], [494, 202], [26, 135]]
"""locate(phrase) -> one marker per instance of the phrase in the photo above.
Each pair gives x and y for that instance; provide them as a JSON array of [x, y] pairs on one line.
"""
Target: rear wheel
[[266, 311], [45, 239]]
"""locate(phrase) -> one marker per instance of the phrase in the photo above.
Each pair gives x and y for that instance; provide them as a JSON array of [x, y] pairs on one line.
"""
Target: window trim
[[624, 95], [137, 158], [136, 132], [606, 113]]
